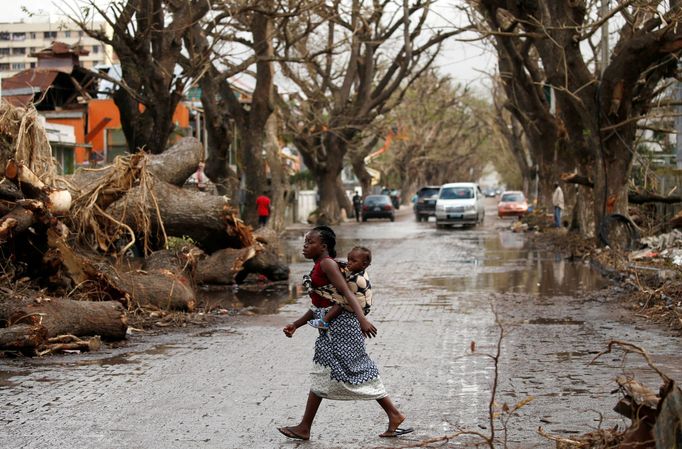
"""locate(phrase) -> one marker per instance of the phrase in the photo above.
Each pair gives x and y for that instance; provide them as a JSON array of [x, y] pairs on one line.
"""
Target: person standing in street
[[357, 205], [263, 206], [342, 369], [558, 203]]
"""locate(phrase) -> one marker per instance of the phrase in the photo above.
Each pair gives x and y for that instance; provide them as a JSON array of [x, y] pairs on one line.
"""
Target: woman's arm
[[290, 328], [331, 269]]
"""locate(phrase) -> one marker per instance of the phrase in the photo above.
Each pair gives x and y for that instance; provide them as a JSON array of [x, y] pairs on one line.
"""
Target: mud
[[230, 385]]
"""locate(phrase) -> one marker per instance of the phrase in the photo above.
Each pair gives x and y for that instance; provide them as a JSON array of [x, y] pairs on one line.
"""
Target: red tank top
[[318, 278]]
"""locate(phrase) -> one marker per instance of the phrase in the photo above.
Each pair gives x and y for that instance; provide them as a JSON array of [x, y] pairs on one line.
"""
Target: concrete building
[[20, 41]]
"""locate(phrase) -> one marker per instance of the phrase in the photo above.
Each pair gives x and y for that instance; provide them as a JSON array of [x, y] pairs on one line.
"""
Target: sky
[[466, 62]]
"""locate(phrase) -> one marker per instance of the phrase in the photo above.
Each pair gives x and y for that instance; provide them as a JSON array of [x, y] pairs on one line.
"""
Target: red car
[[512, 204]]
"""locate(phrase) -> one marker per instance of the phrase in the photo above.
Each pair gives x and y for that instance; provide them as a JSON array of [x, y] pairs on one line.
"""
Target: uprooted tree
[[71, 237]]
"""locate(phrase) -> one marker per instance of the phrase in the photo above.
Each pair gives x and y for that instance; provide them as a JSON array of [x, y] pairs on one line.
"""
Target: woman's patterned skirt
[[342, 370]]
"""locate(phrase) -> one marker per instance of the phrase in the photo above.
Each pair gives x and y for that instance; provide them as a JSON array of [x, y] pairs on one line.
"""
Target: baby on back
[[354, 270]]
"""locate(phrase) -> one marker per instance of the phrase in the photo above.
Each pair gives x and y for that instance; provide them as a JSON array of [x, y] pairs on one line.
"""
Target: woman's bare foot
[[394, 422], [295, 432]]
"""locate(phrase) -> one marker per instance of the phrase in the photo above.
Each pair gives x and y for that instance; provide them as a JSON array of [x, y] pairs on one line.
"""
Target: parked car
[[378, 206], [489, 192], [512, 203], [460, 203], [394, 194], [425, 202]]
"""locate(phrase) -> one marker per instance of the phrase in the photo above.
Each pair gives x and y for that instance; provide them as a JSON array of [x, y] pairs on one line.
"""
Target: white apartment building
[[19, 40]]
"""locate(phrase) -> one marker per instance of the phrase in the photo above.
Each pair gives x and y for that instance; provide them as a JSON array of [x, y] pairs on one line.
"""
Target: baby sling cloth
[[358, 283]]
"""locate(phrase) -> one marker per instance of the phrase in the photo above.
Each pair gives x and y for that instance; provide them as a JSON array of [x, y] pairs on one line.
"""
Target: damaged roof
[[58, 82]]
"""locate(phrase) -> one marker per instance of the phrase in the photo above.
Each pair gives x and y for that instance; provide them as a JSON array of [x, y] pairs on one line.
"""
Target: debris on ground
[[655, 417]]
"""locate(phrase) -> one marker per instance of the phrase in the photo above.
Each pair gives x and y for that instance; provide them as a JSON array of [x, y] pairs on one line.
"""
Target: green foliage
[[303, 179], [178, 243]]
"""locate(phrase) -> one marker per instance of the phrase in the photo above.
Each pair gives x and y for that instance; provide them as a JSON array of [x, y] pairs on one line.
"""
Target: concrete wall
[[306, 202]]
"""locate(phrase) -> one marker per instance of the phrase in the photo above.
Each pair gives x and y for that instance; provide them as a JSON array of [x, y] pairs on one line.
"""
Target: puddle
[[555, 321], [507, 265], [6, 376], [260, 298]]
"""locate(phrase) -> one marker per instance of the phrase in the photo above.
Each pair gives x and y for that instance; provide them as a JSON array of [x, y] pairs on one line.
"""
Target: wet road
[[230, 385]]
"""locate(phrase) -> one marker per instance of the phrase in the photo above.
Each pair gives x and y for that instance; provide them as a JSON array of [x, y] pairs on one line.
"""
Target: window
[[80, 33], [19, 51], [511, 197], [67, 33], [454, 193], [50, 35], [5, 36], [18, 66], [95, 49], [4, 66], [18, 36], [33, 35], [4, 51], [33, 65]]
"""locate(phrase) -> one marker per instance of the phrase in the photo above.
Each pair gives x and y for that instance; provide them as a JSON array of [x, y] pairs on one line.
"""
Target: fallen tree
[[173, 166], [634, 196], [70, 235], [167, 210], [66, 316]]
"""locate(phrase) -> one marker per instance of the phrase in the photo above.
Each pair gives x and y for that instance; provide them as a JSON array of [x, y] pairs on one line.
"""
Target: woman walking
[[342, 370]]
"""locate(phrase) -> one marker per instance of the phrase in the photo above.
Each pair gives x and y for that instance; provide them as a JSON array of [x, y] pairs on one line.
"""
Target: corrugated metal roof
[[38, 80], [60, 48]]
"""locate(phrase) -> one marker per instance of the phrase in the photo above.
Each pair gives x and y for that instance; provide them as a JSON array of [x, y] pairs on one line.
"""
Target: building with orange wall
[[104, 132], [66, 94], [97, 127]]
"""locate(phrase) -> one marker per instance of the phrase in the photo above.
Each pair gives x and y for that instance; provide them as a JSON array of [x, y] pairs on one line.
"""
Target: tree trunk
[[174, 166], [66, 316], [222, 266], [157, 288], [218, 121], [279, 179], [25, 338], [362, 174], [220, 138], [207, 219], [326, 176], [328, 209], [181, 262]]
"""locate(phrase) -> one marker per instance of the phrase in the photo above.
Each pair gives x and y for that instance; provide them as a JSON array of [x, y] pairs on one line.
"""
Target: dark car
[[378, 206], [425, 202], [489, 192], [395, 196]]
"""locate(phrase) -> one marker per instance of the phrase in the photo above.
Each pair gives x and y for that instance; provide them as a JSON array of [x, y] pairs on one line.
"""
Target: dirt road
[[229, 386]]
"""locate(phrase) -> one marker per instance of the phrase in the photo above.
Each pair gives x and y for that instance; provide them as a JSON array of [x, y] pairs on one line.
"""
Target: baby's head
[[359, 258]]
